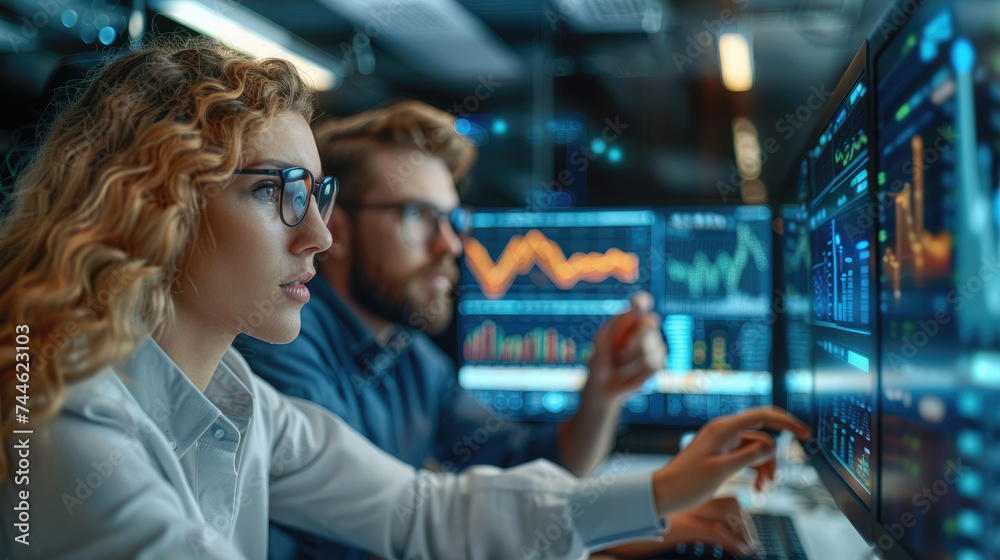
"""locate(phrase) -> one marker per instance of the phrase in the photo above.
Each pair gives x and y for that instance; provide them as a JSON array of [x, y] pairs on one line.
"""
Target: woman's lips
[[297, 291]]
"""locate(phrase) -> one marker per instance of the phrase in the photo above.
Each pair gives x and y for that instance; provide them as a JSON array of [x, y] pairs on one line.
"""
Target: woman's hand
[[722, 448], [719, 521]]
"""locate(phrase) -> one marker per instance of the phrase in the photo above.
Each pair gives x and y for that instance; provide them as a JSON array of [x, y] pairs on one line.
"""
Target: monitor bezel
[[861, 516]]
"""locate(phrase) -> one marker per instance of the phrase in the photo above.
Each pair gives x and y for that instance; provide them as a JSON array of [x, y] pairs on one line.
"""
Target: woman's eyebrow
[[275, 163]]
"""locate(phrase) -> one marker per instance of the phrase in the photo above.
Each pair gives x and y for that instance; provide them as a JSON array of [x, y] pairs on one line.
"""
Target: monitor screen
[[792, 298], [537, 285], [841, 224], [938, 91], [717, 310]]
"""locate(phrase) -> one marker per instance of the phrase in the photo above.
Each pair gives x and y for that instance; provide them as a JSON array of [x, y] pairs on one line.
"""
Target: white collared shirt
[[140, 464]]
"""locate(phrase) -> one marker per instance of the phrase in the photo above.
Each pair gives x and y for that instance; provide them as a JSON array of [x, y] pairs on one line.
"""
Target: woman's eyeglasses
[[421, 222], [295, 185]]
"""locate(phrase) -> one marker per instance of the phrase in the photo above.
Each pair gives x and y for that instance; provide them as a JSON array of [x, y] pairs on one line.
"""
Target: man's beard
[[407, 307]]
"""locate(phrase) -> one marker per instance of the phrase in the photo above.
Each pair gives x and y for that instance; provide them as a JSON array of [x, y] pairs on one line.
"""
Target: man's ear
[[340, 230]]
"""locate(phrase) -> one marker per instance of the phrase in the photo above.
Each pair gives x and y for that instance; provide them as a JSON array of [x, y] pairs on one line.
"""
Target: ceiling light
[[245, 31], [735, 61]]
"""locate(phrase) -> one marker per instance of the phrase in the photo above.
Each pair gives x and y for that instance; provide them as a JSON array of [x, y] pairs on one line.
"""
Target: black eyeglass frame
[[465, 209], [283, 174]]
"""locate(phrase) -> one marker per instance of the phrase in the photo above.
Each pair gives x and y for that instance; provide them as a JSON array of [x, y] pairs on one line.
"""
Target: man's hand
[[722, 447], [719, 521], [627, 350]]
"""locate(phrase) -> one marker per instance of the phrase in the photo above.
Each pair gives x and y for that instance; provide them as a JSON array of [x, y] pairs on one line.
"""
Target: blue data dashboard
[[537, 285], [890, 275], [841, 222], [792, 297], [938, 93]]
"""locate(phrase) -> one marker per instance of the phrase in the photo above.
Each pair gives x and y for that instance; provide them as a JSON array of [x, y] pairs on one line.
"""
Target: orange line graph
[[522, 253], [927, 252]]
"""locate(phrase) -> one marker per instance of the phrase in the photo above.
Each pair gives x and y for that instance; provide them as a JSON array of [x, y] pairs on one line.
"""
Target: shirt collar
[[357, 335], [173, 402]]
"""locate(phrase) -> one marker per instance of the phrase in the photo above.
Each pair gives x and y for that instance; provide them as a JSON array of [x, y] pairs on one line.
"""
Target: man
[[387, 282]]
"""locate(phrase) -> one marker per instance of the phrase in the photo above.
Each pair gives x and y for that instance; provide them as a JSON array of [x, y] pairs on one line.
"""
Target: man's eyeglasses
[[295, 186], [420, 221]]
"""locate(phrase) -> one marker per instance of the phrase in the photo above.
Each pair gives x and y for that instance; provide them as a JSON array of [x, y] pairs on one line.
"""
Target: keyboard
[[776, 538], [774, 534]]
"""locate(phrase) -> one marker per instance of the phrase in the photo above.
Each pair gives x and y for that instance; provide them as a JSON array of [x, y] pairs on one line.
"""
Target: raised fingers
[[765, 471], [771, 418]]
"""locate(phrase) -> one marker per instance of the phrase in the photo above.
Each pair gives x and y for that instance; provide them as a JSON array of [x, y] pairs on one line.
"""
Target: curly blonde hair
[[105, 215], [347, 146]]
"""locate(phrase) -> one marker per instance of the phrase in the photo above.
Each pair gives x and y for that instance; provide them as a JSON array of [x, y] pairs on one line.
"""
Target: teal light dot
[[107, 35], [614, 155], [970, 523], [971, 484], [970, 404], [597, 146], [554, 401], [69, 18], [499, 126], [963, 56], [970, 444]]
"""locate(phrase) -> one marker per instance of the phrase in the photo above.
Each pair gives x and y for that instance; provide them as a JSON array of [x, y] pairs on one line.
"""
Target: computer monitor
[[792, 296], [937, 82], [841, 223], [537, 284], [717, 317]]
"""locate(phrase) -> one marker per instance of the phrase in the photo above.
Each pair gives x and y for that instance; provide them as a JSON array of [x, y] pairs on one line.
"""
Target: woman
[[176, 204]]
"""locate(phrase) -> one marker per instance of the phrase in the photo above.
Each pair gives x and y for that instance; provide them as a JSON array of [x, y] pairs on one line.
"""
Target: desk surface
[[824, 531]]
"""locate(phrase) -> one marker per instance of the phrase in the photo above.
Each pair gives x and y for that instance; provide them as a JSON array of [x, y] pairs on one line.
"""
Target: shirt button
[[220, 433]]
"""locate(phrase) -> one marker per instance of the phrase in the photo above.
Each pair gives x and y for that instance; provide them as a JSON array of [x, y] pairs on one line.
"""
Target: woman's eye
[[411, 213], [266, 191]]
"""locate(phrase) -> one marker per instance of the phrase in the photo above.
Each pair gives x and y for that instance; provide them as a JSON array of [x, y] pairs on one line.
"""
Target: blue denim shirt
[[403, 396]]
